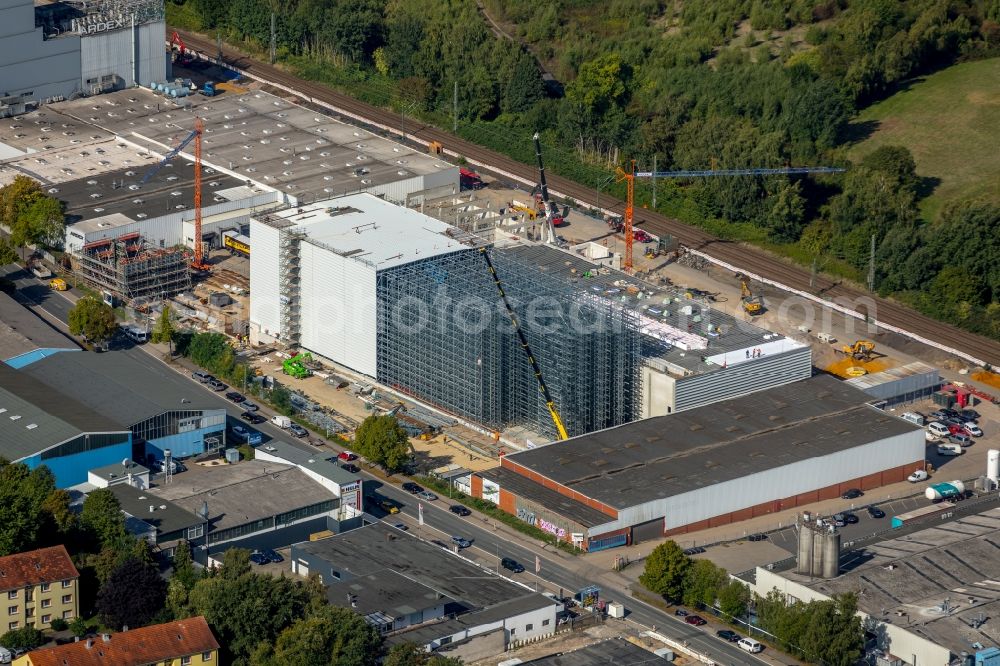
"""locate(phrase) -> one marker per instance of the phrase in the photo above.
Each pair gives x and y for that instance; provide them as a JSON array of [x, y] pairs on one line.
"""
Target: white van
[[136, 334], [750, 645], [913, 417], [282, 422], [949, 449], [938, 429]]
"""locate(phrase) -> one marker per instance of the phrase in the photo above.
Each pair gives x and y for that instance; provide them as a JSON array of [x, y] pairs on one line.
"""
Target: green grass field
[[950, 121]]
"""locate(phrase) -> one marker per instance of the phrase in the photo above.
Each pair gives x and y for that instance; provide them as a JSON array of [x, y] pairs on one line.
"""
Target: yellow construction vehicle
[[862, 350], [752, 305], [530, 213], [58, 284]]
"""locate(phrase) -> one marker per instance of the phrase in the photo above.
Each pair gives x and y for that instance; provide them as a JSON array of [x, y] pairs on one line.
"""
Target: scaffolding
[[444, 337], [130, 267], [289, 255]]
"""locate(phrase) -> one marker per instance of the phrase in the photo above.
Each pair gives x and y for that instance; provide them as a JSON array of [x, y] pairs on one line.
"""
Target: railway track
[[747, 257]]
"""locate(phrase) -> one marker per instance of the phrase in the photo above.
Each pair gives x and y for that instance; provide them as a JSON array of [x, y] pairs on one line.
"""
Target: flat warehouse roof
[[910, 577], [378, 548], [118, 387], [170, 190], [34, 416], [260, 136], [242, 493], [617, 651], [373, 231], [670, 455], [166, 516], [542, 496]]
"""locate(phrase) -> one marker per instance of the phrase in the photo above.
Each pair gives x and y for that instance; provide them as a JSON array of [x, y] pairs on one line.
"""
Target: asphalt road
[[488, 543]]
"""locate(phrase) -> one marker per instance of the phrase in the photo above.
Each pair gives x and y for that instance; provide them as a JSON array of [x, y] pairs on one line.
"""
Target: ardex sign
[[81, 28]]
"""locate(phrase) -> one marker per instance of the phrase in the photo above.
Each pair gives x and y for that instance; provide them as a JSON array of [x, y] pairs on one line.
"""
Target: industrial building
[[57, 50], [906, 383], [25, 337], [161, 522], [323, 469], [729, 461], [160, 415], [618, 651], [41, 425], [927, 597], [248, 504], [415, 592], [410, 301]]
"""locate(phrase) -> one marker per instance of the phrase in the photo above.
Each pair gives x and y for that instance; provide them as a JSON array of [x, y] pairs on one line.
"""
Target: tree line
[[723, 83], [826, 632]]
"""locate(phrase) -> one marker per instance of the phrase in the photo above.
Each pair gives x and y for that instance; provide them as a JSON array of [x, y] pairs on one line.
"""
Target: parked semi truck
[[943, 491]]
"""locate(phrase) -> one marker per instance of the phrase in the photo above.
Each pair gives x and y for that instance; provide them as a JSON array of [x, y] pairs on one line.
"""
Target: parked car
[[400, 526], [412, 488], [950, 413], [246, 435], [937, 429], [850, 518], [917, 476], [876, 512], [202, 377], [347, 456], [970, 415], [972, 430], [461, 542], [852, 493], [251, 417], [235, 396], [459, 510], [272, 556], [750, 645], [298, 430], [258, 557], [760, 536], [216, 385], [511, 565], [727, 635], [838, 519], [249, 406], [694, 551], [961, 439], [954, 421], [427, 495], [281, 421], [938, 415], [680, 612], [353, 469], [696, 620]]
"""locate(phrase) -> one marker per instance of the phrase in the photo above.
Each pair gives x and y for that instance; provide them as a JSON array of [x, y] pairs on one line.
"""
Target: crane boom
[[169, 156], [549, 403], [709, 173], [550, 227]]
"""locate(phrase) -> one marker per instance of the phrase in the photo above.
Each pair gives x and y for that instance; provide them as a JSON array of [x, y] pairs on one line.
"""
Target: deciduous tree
[[27, 638], [102, 516], [702, 582], [665, 569], [133, 595], [22, 497], [328, 637], [383, 441], [92, 319]]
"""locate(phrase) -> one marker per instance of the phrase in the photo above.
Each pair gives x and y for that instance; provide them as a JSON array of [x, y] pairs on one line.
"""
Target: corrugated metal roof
[[35, 416], [117, 386], [669, 455], [892, 374]]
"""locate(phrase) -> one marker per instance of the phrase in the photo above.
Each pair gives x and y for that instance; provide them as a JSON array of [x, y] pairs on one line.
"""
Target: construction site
[[129, 266]]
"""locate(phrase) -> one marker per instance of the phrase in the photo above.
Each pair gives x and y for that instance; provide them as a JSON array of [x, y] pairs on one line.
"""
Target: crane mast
[[549, 402], [550, 226]]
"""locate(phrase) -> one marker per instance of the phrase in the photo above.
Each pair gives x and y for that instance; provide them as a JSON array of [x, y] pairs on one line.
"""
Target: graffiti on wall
[[551, 528]]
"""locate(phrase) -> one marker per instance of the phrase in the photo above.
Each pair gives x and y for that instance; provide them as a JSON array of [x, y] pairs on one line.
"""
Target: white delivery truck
[[282, 422]]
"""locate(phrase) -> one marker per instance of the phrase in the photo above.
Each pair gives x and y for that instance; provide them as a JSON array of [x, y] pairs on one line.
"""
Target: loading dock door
[[649, 531]]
